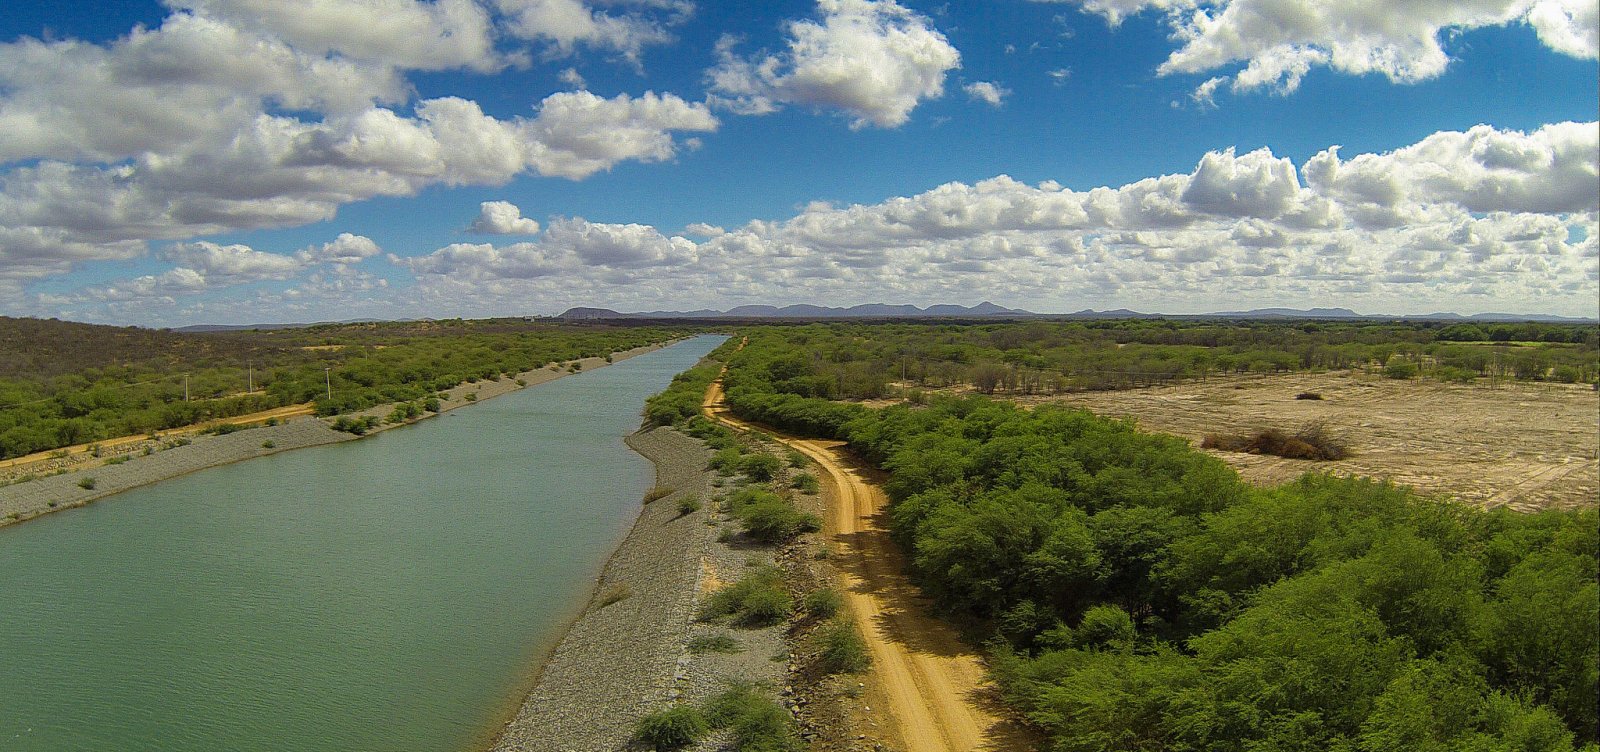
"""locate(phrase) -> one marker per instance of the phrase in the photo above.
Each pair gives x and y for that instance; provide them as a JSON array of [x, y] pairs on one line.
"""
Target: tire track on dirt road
[[935, 685]]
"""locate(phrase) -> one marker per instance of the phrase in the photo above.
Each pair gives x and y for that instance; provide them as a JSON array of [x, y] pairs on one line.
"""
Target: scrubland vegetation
[[867, 361], [64, 384], [756, 721], [1137, 595]]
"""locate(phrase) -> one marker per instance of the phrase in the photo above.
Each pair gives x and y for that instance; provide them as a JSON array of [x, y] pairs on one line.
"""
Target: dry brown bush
[[1314, 442]]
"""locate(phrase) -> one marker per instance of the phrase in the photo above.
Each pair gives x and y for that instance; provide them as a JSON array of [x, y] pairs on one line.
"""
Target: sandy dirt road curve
[[934, 684]]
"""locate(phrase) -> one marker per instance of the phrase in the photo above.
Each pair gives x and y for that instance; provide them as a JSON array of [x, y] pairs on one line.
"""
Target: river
[[384, 595]]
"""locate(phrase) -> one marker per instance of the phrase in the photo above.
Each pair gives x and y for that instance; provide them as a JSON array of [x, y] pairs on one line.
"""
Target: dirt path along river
[[933, 683]]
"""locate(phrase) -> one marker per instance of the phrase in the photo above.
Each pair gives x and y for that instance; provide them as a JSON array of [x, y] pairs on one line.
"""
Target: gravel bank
[[621, 658], [22, 501], [168, 459]]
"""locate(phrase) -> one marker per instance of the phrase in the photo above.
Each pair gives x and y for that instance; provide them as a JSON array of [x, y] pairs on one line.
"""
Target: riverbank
[[73, 482], [619, 658], [630, 652]]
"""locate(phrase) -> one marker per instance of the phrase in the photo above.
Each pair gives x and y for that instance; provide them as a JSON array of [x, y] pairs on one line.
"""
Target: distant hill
[[246, 327], [1345, 313], [36, 349], [592, 314], [804, 311], [981, 310], [1293, 313]]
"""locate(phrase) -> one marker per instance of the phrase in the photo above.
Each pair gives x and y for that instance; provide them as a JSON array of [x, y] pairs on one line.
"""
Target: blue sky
[[246, 160]]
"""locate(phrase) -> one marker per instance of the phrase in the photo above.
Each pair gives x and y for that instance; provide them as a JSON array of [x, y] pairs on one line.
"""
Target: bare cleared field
[[1524, 445]]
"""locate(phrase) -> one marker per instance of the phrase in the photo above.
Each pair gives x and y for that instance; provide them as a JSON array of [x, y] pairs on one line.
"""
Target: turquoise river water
[[384, 595]]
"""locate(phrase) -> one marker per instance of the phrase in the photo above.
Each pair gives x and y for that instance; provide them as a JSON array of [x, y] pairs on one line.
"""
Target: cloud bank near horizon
[[1484, 219]]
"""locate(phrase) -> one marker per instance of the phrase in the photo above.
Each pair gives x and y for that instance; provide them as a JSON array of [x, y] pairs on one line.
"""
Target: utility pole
[[249, 377], [186, 387], [327, 375]]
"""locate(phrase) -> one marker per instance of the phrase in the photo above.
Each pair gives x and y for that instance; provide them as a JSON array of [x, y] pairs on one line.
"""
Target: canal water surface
[[383, 595]]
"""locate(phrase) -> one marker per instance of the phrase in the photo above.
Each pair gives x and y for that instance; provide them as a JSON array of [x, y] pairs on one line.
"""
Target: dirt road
[[933, 684]]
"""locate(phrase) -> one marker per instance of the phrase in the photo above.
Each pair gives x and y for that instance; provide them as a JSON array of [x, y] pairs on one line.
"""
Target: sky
[[250, 161]]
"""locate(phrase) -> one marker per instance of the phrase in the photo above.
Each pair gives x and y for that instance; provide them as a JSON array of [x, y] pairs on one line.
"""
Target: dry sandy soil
[[1523, 445]]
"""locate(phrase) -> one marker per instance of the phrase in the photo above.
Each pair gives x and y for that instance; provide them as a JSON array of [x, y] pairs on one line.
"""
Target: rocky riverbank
[[629, 653]]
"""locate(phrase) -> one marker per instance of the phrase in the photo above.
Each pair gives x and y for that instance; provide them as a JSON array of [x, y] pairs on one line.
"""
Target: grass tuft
[[716, 643], [843, 650]]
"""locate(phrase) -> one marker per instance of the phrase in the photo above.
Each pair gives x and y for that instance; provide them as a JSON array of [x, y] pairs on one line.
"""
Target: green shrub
[[357, 426], [269, 444], [87, 484], [758, 599], [760, 466], [1400, 370], [1104, 626], [776, 521], [823, 603], [726, 461], [768, 517], [1455, 374], [843, 650], [117, 460], [673, 728], [758, 722], [688, 505], [717, 643], [806, 483]]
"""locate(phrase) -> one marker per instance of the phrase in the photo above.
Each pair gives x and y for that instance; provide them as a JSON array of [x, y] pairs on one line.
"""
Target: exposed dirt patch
[[1524, 445]]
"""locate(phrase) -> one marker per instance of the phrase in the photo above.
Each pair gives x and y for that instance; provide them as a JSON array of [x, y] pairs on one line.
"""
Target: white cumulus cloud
[[244, 114], [567, 24], [346, 249], [1279, 41], [988, 92], [434, 35], [873, 59], [1493, 220], [234, 263], [502, 218]]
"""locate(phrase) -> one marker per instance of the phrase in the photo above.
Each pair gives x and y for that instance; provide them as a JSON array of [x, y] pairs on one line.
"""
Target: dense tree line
[[89, 383], [870, 360], [1141, 597]]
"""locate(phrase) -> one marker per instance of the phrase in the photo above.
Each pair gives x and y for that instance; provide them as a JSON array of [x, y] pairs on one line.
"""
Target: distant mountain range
[[803, 311], [986, 310], [981, 310], [242, 327], [1345, 313]]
